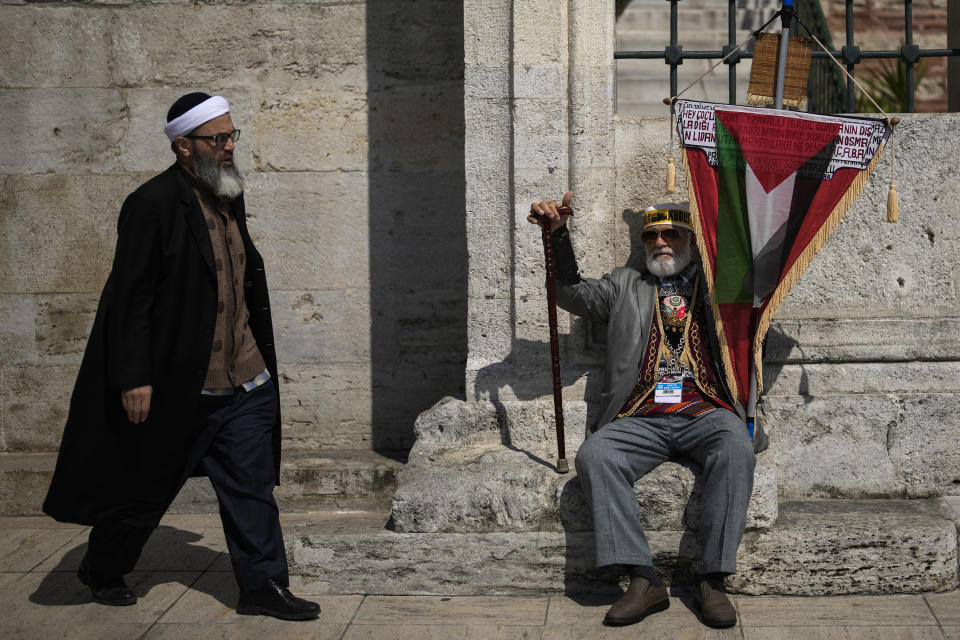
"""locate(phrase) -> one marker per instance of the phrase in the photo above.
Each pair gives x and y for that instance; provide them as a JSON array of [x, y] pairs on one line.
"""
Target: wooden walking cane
[[562, 465]]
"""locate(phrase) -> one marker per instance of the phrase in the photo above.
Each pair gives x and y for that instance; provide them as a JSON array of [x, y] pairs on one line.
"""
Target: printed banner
[[767, 188]]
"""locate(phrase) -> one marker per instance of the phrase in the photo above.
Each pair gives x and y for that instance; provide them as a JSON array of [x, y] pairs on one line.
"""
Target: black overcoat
[[154, 326]]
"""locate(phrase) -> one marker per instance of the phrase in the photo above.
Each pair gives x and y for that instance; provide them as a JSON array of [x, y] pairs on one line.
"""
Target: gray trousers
[[612, 459]]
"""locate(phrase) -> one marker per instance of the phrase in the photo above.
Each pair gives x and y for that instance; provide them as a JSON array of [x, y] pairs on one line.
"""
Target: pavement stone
[[946, 607], [184, 594], [838, 610], [469, 610]]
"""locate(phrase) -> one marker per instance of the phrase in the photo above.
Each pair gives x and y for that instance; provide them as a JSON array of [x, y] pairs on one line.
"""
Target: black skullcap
[[185, 103]]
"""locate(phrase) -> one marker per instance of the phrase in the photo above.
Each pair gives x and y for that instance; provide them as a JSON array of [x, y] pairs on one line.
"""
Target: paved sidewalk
[[187, 591]]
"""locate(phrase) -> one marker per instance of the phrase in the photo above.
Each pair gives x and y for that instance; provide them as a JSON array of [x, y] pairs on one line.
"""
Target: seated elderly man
[[663, 397]]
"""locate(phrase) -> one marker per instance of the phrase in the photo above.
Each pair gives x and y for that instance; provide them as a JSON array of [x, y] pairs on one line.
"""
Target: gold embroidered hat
[[668, 213]]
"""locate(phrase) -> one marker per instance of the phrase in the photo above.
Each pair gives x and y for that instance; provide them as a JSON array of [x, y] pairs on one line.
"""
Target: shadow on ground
[[170, 553]]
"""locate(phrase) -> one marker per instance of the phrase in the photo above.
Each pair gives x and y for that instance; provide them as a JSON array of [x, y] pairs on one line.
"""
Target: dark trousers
[[234, 448]]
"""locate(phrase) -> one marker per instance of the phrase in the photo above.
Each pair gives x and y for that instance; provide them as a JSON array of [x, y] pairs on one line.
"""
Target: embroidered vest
[[702, 393]]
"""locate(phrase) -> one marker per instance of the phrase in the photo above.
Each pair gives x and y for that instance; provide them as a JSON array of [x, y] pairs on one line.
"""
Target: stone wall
[[352, 144]]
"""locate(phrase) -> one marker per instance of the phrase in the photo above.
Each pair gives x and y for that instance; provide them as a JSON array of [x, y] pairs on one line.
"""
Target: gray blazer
[[625, 300]]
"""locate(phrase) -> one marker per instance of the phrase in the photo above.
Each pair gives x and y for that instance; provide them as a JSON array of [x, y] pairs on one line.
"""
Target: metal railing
[[824, 82]]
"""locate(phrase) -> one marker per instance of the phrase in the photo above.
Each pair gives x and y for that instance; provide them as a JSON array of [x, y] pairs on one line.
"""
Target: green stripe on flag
[[734, 276]]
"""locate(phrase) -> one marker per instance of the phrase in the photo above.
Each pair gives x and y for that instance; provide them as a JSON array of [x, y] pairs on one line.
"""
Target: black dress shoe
[[111, 591], [273, 599]]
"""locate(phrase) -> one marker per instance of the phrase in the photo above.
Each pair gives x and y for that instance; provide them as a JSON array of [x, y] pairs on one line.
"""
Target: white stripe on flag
[[768, 214]]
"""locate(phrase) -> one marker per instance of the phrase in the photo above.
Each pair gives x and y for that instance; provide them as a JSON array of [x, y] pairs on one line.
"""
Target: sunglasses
[[651, 235]]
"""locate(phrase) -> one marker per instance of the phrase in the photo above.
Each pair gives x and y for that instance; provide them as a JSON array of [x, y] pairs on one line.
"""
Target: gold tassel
[[671, 176], [893, 213]]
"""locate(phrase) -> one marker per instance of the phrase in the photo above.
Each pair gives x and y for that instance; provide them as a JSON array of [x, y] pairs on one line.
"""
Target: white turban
[[190, 120]]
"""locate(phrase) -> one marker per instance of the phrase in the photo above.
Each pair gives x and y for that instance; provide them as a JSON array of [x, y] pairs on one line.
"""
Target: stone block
[[816, 548], [487, 26], [415, 42], [539, 38], [845, 547], [592, 35], [479, 466], [319, 326], [825, 379], [540, 140], [325, 406], [894, 339], [269, 44], [65, 47], [24, 480], [34, 401], [833, 446], [306, 129], [305, 226], [58, 232], [490, 486], [485, 83], [64, 130], [417, 127], [18, 329], [416, 224], [922, 444], [63, 325]]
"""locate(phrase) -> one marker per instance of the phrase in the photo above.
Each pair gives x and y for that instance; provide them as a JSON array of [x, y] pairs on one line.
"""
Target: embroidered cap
[[668, 213]]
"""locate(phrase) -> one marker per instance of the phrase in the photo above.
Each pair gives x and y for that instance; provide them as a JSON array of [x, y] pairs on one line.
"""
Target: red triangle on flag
[[776, 146]]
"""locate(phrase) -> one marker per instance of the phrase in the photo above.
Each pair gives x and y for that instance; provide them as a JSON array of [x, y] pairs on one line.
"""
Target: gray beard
[[675, 264], [226, 184]]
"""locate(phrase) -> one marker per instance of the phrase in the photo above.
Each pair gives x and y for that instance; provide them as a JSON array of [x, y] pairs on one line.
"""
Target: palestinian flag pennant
[[767, 188]]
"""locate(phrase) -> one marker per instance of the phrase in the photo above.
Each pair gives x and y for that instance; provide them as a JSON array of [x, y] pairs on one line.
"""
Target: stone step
[[495, 488], [349, 479], [815, 548]]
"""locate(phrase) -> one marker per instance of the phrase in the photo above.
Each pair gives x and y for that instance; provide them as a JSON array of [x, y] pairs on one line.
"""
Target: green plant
[[887, 83]]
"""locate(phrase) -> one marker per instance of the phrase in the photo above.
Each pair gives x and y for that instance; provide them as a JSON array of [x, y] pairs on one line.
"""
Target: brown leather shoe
[[639, 601], [714, 606]]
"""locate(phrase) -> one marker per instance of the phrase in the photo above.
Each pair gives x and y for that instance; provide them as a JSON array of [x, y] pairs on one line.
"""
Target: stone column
[[539, 121]]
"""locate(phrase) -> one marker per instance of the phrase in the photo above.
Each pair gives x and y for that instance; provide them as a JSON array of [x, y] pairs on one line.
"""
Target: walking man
[[179, 376]]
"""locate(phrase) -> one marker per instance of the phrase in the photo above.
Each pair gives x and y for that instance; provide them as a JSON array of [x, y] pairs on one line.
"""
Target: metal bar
[[850, 68], [908, 37], [732, 42], [787, 19], [673, 43], [715, 55]]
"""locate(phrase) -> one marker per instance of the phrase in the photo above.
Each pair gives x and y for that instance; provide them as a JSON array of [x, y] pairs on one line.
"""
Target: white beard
[[226, 184], [664, 267]]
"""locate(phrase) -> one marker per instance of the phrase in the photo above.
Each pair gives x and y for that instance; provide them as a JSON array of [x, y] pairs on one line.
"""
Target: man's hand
[[549, 211], [136, 402]]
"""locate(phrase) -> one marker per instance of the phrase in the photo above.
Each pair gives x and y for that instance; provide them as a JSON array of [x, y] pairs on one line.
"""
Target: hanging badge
[[669, 390]]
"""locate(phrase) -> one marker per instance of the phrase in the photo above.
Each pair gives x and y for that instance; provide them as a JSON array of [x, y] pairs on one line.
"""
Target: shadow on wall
[[418, 252]]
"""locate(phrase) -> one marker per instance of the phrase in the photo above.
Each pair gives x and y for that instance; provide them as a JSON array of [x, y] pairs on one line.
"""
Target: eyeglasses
[[651, 235], [219, 139]]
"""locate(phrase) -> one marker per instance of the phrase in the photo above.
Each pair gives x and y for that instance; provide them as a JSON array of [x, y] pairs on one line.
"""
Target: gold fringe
[[893, 209], [708, 274], [671, 176], [804, 260]]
